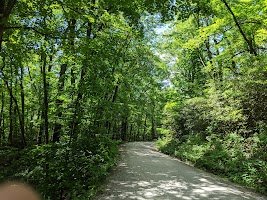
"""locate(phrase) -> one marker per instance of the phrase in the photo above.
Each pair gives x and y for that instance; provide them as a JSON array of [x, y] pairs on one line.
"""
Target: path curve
[[145, 174]]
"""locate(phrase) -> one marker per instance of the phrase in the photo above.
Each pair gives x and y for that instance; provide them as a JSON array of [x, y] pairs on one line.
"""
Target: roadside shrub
[[64, 170], [167, 145], [192, 149], [242, 160]]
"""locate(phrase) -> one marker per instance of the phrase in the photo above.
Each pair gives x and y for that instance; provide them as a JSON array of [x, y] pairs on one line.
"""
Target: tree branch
[[249, 42]]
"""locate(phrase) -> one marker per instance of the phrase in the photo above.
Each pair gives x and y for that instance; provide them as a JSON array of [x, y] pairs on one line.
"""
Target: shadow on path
[[143, 173]]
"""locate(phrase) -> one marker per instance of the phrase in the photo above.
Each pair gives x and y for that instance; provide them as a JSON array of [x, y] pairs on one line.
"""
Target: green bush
[[62, 169], [241, 160], [167, 145]]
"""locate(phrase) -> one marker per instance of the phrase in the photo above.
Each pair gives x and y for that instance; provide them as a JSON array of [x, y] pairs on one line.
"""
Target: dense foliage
[[215, 116], [75, 76], [69, 67], [61, 171], [78, 76]]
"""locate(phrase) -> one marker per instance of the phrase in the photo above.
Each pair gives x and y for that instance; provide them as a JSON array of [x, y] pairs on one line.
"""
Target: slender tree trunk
[[220, 67], [153, 123], [39, 114], [77, 111], [153, 128], [61, 84], [40, 133], [210, 57], [131, 132], [72, 24], [6, 7], [13, 99], [124, 127], [249, 42], [1, 36], [114, 96], [114, 130], [11, 112], [22, 105], [78, 101], [138, 133], [10, 136], [144, 130], [45, 100], [1, 118]]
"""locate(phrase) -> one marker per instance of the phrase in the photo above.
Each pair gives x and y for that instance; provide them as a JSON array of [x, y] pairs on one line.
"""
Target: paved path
[[143, 173]]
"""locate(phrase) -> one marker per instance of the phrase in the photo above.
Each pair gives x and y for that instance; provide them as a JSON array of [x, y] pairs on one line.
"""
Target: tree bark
[[6, 7], [78, 101], [13, 99], [144, 130], [131, 132], [61, 84], [124, 127], [45, 100], [72, 24], [77, 107], [153, 128], [22, 105], [10, 135], [2, 118]]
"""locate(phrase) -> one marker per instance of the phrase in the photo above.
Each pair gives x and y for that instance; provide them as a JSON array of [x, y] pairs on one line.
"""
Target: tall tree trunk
[[22, 104], [124, 127], [72, 24], [12, 100], [131, 132], [114, 130], [78, 101], [11, 115], [10, 135], [144, 130], [6, 7], [153, 128], [40, 111], [77, 107], [61, 84], [1, 35], [249, 42], [40, 133], [210, 57], [2, 118], [137, 135], [45, 100], [114, 96], [61, 81]]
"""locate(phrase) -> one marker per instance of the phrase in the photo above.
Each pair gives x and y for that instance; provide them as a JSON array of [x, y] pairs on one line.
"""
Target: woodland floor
[[143, 173]]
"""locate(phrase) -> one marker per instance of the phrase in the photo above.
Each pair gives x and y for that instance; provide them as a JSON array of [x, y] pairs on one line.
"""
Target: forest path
[[143, 173]]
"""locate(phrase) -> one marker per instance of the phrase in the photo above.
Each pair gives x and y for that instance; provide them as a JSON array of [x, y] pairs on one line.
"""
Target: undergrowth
[[241, 160], [62, 170]]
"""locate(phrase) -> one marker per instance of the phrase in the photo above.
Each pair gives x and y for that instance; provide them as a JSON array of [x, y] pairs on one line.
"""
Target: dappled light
[[83, 81], [144, 173]]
